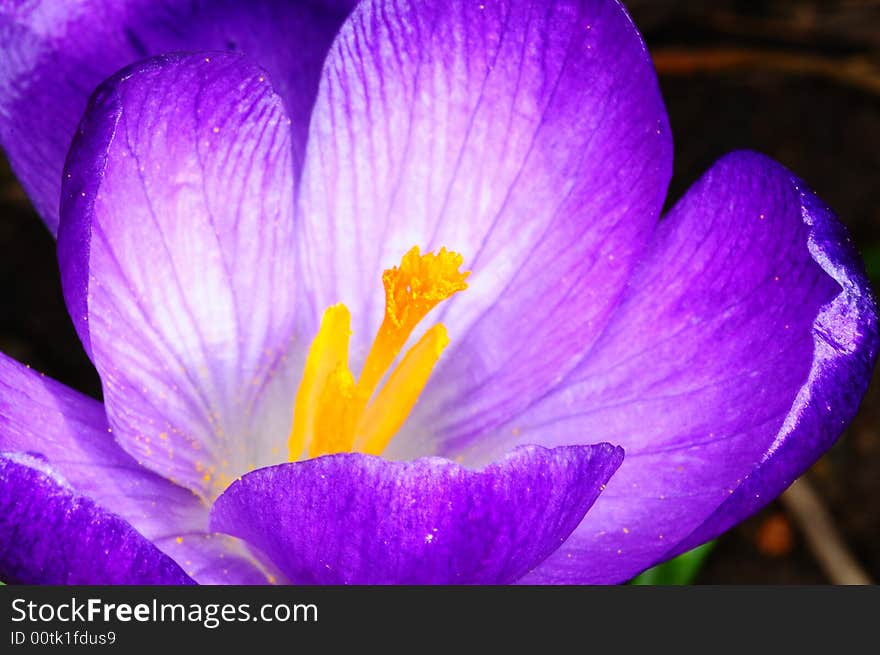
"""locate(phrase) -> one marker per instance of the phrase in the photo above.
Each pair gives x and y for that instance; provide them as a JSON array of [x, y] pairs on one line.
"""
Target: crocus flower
[[362, 295]]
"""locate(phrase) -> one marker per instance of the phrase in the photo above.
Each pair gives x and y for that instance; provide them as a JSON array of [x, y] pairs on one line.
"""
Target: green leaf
[[679, 571], [872, 262]]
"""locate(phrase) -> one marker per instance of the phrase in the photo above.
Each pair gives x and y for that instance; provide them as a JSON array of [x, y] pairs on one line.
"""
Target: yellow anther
[[336, 415], [333, 413], [327, 354]]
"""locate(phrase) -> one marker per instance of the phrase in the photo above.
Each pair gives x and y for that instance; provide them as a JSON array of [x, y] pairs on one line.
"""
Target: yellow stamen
[[395, 400], [334, 414], [337, 415], [327, 354]]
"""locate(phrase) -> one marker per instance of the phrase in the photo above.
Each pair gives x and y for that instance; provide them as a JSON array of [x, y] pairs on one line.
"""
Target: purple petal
[[846, 343], [49, 534], [56, 53], [530, 137], [45, 419], [736, 358], [358, 519], [177, 260]]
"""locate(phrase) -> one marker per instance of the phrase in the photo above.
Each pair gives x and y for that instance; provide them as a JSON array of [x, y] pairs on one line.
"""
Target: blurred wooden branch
[[823, 538], [842, 23], [852, 23], [858, 71]]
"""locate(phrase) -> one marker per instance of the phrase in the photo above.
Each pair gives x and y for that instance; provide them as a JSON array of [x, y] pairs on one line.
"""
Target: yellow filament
[[333, 413], [395, 400]]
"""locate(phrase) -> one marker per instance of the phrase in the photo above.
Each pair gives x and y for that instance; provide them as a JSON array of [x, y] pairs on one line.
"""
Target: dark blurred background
[[796, 79]]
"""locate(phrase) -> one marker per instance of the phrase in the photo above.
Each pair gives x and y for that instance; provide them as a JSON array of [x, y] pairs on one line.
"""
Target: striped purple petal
[[55, 52], [50, 534], [359, 519], [177, 261]]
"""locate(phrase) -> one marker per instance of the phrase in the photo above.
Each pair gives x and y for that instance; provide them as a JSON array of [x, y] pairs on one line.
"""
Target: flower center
[[333, 412]]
